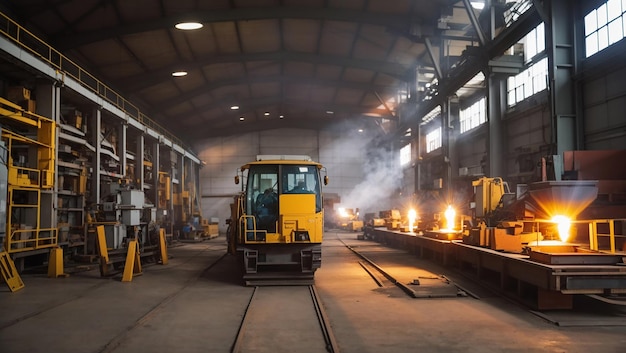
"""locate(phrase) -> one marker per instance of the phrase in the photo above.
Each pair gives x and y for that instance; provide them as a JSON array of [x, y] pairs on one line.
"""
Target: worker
[[187, 229], [300, 188], [267, 210]]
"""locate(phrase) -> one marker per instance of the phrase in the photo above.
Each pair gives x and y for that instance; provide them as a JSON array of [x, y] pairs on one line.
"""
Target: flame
[[563, 225], [450, 214], [412, 217]]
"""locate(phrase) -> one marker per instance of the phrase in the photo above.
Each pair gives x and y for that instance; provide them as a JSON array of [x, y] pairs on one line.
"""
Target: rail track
[[441, 281], [290, 317]]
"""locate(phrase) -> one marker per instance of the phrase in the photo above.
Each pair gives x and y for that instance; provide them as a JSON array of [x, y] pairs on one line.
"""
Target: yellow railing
[[246, 221], [20, 240], [594, 233], [24, 177], [28, 41]]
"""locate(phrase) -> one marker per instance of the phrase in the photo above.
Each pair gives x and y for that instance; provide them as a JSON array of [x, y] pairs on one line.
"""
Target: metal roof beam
[[237, 127], [249, 105], [242, 14], [472, 66], [148, 79], [185, 97]]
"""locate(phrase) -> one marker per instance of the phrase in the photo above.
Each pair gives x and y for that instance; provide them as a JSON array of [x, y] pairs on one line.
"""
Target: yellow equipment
[[488, 195], [277, 221], [9, 273]]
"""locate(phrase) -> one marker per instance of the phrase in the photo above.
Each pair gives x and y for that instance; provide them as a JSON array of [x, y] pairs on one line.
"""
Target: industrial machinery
[[510, 222], [348, 219], [276, 224]]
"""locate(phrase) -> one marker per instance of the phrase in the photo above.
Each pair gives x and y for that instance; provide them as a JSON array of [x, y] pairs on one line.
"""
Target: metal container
[[567, 197]]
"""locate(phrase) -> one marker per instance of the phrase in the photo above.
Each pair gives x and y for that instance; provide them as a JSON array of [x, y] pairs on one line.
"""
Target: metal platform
[[538, 284]]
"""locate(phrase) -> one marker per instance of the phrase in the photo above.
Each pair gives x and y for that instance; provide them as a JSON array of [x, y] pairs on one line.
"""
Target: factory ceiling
[[284, 63]]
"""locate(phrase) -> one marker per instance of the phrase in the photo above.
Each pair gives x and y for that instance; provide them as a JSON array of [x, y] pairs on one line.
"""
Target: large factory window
[[405, 155], [534, 42], [528, 82], [473, 115], [433, 140], [604, 26]]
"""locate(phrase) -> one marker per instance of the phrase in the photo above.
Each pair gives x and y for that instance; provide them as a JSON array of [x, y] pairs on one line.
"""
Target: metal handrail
[[27, 40], [15, 243]]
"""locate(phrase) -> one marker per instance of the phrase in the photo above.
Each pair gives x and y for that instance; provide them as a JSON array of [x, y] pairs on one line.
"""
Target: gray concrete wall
[[604, 109], [342, 154]]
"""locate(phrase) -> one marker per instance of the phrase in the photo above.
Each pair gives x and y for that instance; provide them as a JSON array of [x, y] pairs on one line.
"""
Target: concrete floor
[[187, 306]]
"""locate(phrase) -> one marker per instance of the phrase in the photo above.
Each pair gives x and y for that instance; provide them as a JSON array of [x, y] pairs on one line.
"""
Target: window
[[604, 26], [432, 115], [534, 42], [516, 10], [405, 155], [528, 82], [433, 140], [473, 115]]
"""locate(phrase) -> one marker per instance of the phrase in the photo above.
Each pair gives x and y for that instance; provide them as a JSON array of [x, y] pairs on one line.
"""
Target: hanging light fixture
[[188, 26]]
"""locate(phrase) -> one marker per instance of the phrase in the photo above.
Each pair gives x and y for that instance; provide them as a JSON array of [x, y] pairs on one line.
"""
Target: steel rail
[[324, 322], [236, 347], [329, 337], [410, 292]]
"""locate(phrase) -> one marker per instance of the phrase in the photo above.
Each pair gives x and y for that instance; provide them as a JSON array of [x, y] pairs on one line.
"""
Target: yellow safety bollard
[[55, 263], [162, 246], [132, 266]]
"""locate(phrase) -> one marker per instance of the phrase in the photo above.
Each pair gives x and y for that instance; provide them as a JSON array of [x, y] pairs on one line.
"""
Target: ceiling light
[[188, 26], [330, 112], [234, 107], [266, 113], [360, 130], [179, 73], [241, 118], [281, 116]]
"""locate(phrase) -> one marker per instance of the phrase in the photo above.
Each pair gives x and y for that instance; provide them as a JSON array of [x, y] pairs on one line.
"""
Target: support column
[[139, 156], [122, 132], [561, 68], [156, 168], [452, 128], [48, 105], [496, 95], [96, 126], [417, 139], [173, 179], [445, 147]]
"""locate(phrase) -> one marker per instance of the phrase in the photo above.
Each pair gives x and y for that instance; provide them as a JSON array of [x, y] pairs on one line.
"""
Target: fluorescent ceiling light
[[282, 116], [266, 113], [241, 118], [179, 73], [188, 26], [234, 107]]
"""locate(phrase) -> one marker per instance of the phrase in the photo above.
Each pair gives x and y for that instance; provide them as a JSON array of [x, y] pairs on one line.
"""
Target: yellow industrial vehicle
[[277, 221]]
